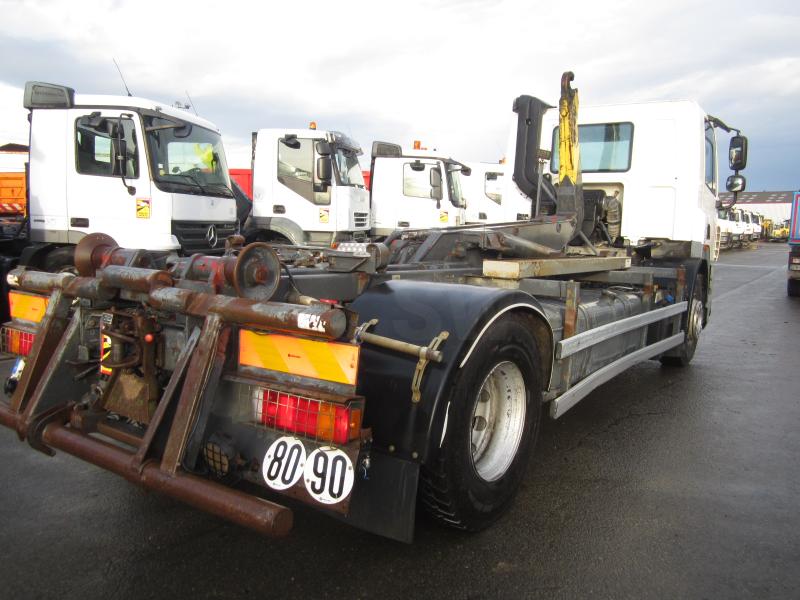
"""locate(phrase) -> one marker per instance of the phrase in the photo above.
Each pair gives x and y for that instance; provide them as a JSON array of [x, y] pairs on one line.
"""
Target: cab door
[[709, 192], [423, 204], [106, 192]]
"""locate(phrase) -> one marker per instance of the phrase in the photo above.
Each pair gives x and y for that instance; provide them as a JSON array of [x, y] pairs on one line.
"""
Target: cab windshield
[[348, 168], [186, 158]]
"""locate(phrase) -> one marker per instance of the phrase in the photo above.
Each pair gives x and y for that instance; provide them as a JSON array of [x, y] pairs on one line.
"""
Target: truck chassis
[[354, 380]]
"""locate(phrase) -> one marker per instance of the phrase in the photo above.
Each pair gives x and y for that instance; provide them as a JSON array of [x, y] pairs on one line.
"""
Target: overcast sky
[[442, 72]]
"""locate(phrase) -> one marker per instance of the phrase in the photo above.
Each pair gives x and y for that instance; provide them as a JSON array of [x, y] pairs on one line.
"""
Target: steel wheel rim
[[498, 420], [695, 324]]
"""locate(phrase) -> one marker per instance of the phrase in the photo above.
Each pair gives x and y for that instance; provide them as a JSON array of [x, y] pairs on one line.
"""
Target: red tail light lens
[[319, 419], [16, 341]]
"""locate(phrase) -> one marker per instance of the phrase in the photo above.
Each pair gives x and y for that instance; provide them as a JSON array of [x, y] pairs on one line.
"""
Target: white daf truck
[[307, 188], [145, 173], [649, 174]]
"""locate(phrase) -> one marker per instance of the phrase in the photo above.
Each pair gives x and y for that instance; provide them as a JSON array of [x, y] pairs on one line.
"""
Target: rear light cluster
[[16, 341], [321, 420]]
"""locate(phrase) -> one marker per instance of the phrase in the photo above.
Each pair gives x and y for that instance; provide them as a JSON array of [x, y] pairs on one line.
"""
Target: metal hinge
[[419, 372]]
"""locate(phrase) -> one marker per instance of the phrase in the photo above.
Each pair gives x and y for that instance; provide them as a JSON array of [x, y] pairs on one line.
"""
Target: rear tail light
[[324, 421], [16, 341]]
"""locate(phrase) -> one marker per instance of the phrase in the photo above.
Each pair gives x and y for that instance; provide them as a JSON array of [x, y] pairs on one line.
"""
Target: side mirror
[[737, 153], [436, 184], [291, 141], [323, 148], [466, 171], [736, 183], [417, 166], [324, 169]]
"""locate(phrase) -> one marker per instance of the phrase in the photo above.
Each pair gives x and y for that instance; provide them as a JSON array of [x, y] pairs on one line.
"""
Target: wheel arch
[[415, 312], [284, 227]]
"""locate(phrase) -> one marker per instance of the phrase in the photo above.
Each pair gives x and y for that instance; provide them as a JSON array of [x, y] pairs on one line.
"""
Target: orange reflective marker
[[27, 307], [329, 361]]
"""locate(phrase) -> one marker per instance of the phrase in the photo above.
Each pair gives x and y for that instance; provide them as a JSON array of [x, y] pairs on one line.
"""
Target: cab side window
[[417, 180], [96, 146], [296, 171], [493, 187]]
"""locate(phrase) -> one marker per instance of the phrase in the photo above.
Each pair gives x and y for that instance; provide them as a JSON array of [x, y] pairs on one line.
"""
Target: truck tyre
[[694, 327], [60, 260], [793, 287], [493, 417]]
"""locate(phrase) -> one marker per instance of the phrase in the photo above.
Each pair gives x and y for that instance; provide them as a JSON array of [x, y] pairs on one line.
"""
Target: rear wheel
[[493, 418], [694, 326]]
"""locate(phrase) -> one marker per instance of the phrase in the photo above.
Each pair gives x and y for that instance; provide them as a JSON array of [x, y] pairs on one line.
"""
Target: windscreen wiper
[[195, 180]]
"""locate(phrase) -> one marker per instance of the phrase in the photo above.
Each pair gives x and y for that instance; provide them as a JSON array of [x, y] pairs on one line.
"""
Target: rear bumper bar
[[267, 518]]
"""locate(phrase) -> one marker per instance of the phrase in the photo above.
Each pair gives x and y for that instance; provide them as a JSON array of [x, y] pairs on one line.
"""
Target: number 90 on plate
[[327, 472]]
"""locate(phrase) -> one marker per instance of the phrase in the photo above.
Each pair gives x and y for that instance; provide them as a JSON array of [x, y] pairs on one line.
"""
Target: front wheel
[[695, 320], [493, 417]]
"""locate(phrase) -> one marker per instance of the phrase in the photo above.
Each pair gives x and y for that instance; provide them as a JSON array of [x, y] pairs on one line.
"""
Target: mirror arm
[[122, 159]]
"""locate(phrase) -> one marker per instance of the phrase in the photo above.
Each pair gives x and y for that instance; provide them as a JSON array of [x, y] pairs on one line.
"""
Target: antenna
[[192, 103], [121, 77]]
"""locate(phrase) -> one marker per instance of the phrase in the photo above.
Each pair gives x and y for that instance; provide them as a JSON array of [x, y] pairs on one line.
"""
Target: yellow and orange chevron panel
[[329, 361]]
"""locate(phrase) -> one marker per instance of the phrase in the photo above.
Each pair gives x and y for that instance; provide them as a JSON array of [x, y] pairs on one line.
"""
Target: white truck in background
[[148, 174], [483, 193], [755, 220], [418, 189], [307, 188], [725, 226]]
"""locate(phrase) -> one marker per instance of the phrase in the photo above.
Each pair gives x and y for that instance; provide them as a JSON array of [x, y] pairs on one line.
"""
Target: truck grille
[[360, 219], [193, 236]]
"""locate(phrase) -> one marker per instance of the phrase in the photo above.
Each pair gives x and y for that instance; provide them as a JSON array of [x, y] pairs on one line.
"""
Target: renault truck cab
[[150, 175]]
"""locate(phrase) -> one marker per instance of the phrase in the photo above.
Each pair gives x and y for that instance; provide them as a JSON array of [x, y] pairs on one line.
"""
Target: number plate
[[284, 463], [328, 474]]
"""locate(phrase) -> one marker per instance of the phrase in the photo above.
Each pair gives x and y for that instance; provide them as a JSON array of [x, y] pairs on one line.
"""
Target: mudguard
[[286, 227], [416, 312]]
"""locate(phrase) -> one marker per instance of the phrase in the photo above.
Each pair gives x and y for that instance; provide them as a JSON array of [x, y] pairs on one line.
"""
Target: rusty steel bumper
[[263, 516]]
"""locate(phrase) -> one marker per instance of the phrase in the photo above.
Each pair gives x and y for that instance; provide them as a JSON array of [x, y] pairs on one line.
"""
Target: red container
[[244, 177]]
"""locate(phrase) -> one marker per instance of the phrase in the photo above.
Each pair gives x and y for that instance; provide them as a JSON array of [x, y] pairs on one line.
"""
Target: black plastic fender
[[416, 312]]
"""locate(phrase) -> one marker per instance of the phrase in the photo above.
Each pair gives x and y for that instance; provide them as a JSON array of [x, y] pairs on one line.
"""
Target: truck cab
[[418, 189], [145, 173], [483, 194], [741, 227], [725, 227], [652, 170], [307, 188]]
